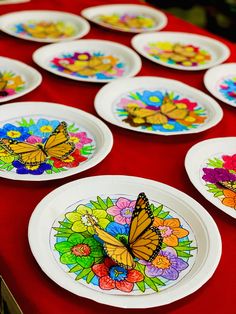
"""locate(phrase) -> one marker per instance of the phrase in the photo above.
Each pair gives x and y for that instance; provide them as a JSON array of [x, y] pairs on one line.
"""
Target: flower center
[[117, 273], [85, 220], [165, 231], [32, 167], [161, 262], [69, 159], [126, 212], [190, 119], [154, 99], [81, 250], [46, 129], [13, 134]]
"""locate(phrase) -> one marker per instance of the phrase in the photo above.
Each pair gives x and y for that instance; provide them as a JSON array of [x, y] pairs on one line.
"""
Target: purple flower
[[167, 265], [217, 174], [35, 170]]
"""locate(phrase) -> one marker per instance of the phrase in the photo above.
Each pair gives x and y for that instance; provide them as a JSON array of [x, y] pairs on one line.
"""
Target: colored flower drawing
[[127, 22], [33, 147], [85, 65], [160, 111], [228, 88], [177, 53], [10, 84], [45, 29], [220, 179], [79, 247]]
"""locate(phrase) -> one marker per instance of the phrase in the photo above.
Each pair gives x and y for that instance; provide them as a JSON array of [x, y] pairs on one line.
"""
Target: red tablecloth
[[161, 160]]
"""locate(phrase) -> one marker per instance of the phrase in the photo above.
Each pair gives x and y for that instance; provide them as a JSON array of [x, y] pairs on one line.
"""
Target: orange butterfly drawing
[[144, 240], [57, 145]]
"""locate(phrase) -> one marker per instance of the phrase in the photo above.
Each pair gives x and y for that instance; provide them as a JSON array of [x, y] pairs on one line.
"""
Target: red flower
[[73, 160], [229, 162], [113, 276]]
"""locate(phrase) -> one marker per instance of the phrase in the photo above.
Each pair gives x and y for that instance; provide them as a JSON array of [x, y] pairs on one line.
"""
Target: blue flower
[[13, 132], [118, 273], [171, 126], [43, 128], [153, 99], [228, 89], [115, 229], [22, 169]]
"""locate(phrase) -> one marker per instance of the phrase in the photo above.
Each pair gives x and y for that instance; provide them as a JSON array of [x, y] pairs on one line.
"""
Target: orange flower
[[192, 118], [230, 198], [170, 230]]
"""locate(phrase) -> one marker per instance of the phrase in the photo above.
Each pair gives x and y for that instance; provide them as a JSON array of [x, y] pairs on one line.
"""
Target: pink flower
[[122, 210], [80, 139], [229, 162], [33, 139], [124, 102]]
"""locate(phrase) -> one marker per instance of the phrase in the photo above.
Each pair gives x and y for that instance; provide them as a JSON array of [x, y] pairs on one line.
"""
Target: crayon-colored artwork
[[127, 22], [10, 83], [87, 65], [45, 29], [178, 54], [158, 110], [227, 88], [97, 242], [220, 178], [43, 146]]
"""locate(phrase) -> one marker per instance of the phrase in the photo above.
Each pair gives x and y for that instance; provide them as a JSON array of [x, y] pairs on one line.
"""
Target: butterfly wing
[[58, 145], [144, 240], [231, 185], [170, 109], [29, 154], [114, 248]]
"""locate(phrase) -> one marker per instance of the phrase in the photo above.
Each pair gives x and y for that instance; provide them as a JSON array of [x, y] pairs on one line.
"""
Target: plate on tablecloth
[[71, 256], [211, 167], [44, 141], [126, 17], [157, 105], [16, 79], [90, 60], [221, 82], [44, 25], [182, 51]]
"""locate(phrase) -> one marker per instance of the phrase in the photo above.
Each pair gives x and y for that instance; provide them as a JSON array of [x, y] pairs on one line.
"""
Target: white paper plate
[[207, 51], [211, 151], [24, 24], [112, 100], [12, 1], [99, 60], [18, 79], [119, 17], [221, 82], [23, 122], [202, 231]]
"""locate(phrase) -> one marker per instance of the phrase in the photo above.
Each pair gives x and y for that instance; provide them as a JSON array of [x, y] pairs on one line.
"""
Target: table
[[33, 290]]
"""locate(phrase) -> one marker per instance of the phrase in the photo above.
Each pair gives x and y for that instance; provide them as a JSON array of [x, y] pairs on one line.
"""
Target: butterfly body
[[57, 145], [231, 185], [144, 241]]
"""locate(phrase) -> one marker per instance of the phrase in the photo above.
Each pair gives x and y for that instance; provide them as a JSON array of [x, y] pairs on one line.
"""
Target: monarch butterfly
[[144, 240], [57, 145], [231, 185], [168, 109]]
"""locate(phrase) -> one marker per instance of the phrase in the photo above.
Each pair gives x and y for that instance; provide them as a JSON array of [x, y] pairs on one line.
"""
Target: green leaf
[[95, 205], [141, 286], [109, 202], [183, 254], [157, 210], [87, 150], [62, 235], [64, 230], [90, 276], [101, 203], [184, 248], [150, 283], [215, 163], [71, 128], [219, 193], [163, 215], [158, 281], [66, 224], [185, 243], [75, 268], [210, 185], [134, 96], [83, 273]]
